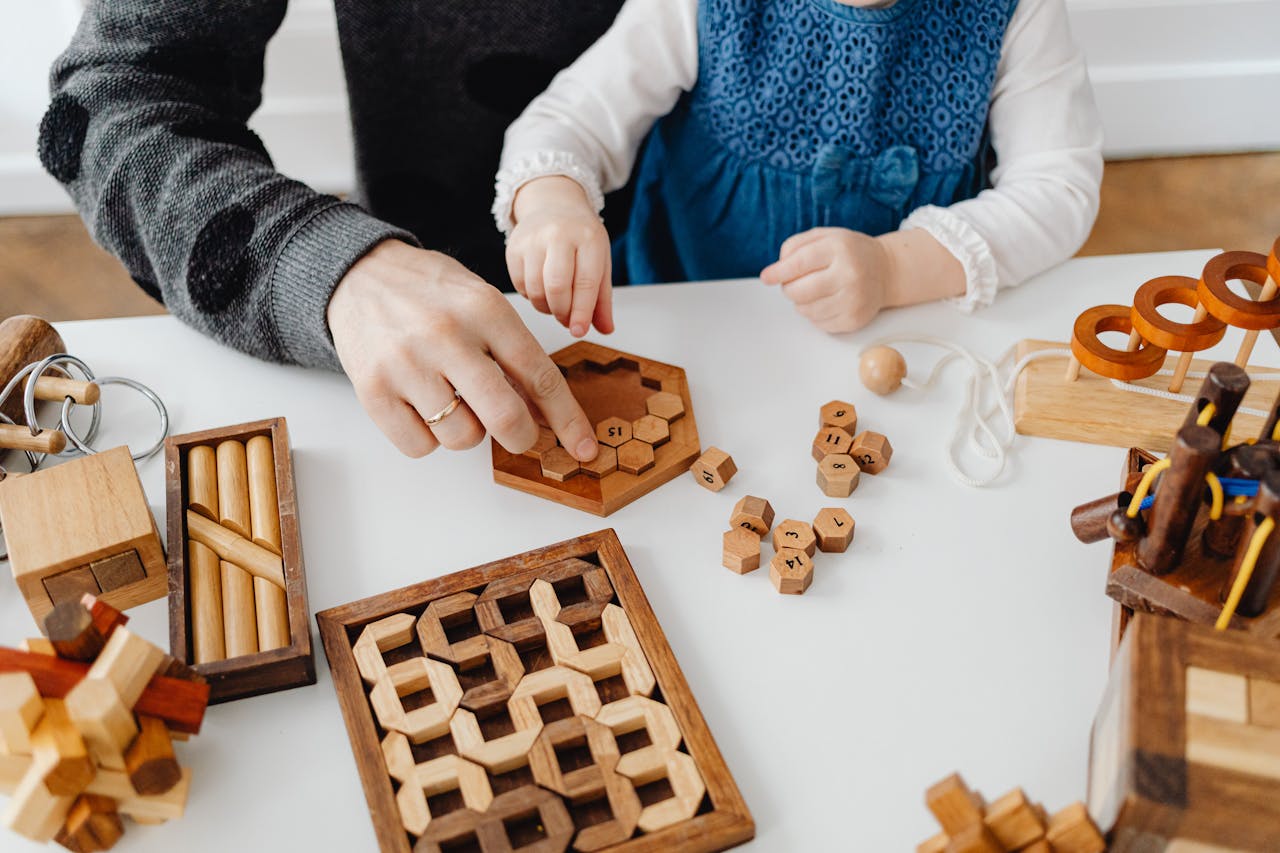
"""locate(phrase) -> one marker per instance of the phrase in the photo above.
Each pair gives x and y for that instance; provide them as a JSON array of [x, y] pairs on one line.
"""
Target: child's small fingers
[[809, 258], [603, 318], [803, 238], [809, 288], [515, 270], [588, 278], [534, 290], [557, 274]]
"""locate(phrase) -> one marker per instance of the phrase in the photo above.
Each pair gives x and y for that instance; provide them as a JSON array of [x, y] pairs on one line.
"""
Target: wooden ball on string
[[882, 369]]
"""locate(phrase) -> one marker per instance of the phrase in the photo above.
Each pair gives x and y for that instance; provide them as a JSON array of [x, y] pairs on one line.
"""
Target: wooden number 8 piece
[[1152, 336]]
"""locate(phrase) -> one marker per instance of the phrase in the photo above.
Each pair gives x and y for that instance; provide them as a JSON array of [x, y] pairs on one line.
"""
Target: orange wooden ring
[[1163, 332], [1238, 311], [1273, 261], [1092, 353]]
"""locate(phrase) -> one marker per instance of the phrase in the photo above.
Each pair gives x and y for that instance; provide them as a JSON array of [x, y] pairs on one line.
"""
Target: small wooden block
[[71, 585], [791, 571], [92, 824], [103, 718], [1264, 703], [33, 812], [665, 405], [1013, 820], [831, 440], [840, 414], [741, 550], [58, 752], [509, 596], [581, 783], [635, 457], [508, 669], [754, 514], [1220, 695], [120, 570], [38, 646], [834, 528], [953, 805], [451, 611], [871, 451], [613, 432], [558, 465], [1073, 831], [128, 662], [636, 672], [687, 787], [153, 768], [605, 463], [413, 676], [651, 429], [975, 838], [838, 475], [20, 710], [544, 442], [713, 469], [796, 535], [69, 627], [500, 754], [170, 805], [936, 844], [547, 685], [379, 637]]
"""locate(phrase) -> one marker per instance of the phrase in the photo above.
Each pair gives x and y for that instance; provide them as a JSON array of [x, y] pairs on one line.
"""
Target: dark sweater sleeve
[[147, 131]]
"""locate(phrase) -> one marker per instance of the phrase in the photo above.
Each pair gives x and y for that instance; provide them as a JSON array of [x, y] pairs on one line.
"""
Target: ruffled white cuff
[[541, 164], [970, 249]]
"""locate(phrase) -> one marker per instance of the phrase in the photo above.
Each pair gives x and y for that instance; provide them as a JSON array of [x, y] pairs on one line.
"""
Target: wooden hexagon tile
[[640, 407]]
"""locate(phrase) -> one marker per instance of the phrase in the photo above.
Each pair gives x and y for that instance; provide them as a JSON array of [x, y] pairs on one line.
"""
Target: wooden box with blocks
[[644, 421], [1186, 745], [532, 703], [238, 606], [83, 527]]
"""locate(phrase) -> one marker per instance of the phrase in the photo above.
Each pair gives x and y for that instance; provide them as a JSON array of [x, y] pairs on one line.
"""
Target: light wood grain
[[264, 510], [208, 637], [233, 488], [236, 549], [239, 614], [1221, 695], [202, 481]]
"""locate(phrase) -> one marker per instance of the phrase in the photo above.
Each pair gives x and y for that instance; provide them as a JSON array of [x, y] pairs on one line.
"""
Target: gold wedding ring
[[446, 411]]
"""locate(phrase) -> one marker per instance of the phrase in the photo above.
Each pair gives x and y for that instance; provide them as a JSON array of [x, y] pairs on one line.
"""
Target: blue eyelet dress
[[810, 113]]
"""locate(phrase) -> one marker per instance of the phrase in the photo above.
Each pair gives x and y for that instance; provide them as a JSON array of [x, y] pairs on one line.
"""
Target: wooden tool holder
[[265, 671], [529, 703]]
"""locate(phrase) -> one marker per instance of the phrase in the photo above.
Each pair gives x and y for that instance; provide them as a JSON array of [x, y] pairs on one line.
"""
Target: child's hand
[[837, 278], [558, 255]]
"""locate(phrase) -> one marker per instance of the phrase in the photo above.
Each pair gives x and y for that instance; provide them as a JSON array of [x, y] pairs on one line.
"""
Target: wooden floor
[[50, 267]]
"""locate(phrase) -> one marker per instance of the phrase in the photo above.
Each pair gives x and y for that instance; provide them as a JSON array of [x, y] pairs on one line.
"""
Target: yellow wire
[[1206, 414], [1246, 572], [1148, 477], [1226, 436], [1215, 487], [1275, 431]]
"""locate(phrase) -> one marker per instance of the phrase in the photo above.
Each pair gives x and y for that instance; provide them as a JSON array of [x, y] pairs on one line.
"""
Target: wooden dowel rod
[[20, 438], [208, 642], [264, 510], [1251, 336], [1184, 360], [239, 616], [1073, 369], [233, 488], [55, 389], [202, 481], [272, 614], [254, 559]]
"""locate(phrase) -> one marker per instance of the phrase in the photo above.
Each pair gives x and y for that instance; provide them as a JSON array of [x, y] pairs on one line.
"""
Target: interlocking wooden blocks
[[1185, 751], [713, 469], [1011, 823], [597, 743], [741, 550], [85, 740], [834, 528], [83, 526], [871, 451], [791, 571], [754, 514], [838, 475]]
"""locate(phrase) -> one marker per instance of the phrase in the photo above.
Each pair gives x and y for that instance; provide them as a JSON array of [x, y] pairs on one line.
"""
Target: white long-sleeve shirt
[[590, 122]]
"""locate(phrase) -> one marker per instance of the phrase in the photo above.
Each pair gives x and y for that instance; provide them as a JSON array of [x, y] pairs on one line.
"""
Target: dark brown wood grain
[[263, 672], [1177, 502], [23, 339], [1224, 387], [726, 823]]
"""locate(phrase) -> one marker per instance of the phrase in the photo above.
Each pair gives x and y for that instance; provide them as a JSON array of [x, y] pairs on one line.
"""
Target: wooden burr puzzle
[[1089, 397], [533, 704], [87, 723], [238, 595], [644, 422], [1012, 823]]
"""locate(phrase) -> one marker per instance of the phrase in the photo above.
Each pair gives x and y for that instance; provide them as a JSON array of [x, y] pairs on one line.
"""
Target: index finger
[[518, 354], [808, 258]]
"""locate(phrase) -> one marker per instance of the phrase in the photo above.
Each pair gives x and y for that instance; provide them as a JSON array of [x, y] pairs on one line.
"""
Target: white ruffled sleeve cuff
[[541, 164], [968, 246]]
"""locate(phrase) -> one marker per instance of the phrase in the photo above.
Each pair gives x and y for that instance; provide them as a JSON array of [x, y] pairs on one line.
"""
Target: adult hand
[[412, 326]]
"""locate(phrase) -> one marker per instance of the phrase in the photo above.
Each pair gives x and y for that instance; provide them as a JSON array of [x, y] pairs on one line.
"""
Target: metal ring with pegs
[[36, 370], [82, 444]]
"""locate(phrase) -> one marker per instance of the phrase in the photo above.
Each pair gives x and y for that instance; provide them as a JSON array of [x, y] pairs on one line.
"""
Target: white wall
[[1172, 77]]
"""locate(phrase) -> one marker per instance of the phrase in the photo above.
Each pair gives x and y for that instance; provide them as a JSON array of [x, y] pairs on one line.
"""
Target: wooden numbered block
[[831, 440], [651, 429], [504, 611], [453, 613], [547, 685], [605, 463], [665, 405], [791, 571], [1073, 831], [20, 710], [684, 780], [407, 678], [714, 469], [574, 776], [1013, 820], [439, 776], [545, 441], [871, 451], [498, 754], [558, 465], [613, 432], [834, 528], [754, 514], [741, 550], [795, 535], [838, 475], [633, 714], [381, 637], [839, 414], [635, 457]]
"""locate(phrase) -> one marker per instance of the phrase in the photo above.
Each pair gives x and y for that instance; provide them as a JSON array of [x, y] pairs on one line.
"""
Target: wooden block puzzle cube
[[1185, 752], [83, 526], [1012, 823]]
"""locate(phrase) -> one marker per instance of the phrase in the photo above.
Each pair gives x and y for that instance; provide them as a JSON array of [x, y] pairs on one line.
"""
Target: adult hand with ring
[[437, 357]]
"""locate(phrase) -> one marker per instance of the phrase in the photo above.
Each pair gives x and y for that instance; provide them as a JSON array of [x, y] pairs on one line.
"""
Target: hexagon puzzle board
[[530, 704], [653, 439]]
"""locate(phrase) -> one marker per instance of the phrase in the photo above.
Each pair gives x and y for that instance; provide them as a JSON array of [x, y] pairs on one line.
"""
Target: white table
[[965, 629]]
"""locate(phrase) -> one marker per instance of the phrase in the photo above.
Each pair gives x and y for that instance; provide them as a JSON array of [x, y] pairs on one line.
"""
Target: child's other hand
[[558, 255], [837, 278]]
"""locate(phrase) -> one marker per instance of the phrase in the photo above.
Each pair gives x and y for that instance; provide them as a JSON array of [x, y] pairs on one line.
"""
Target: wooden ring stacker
[[1106, 361], [1239, 311], [1165, 333]]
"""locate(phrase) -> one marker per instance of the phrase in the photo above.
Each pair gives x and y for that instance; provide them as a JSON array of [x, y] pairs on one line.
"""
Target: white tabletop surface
[[965, 629]]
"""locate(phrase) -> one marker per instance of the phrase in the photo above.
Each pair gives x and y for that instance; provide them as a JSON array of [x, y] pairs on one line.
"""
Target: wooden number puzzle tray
[[529, 704]]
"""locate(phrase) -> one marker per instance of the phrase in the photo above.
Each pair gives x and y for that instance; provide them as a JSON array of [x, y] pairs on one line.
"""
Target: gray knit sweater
[[147, 130]]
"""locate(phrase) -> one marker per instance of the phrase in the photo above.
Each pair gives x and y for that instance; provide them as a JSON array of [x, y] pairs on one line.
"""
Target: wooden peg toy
[[741, 550], [871, 451], [754, 514], [882, 370], [834, 529], [714, 469], [1176, 504], [791, 571], [838, 475], [797, 535], [839, 414]]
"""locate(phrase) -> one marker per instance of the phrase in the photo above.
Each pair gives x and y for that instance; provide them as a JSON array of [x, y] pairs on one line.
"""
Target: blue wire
[[1232, 487]]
